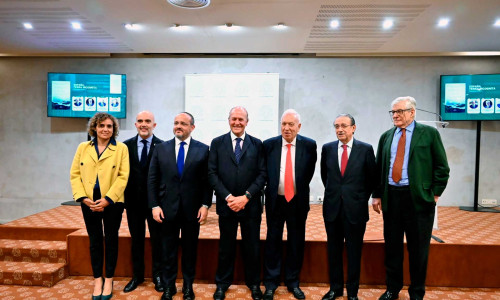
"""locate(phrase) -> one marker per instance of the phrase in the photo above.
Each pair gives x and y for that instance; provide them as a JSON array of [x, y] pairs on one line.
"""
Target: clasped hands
[[96, 206], [236, 203]]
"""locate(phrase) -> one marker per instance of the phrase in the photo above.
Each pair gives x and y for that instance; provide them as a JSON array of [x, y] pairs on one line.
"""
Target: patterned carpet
[[81, 288]]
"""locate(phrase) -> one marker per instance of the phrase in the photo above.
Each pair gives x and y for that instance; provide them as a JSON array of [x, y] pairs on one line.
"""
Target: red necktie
[[397, 167], [289, 174], [343, 161]]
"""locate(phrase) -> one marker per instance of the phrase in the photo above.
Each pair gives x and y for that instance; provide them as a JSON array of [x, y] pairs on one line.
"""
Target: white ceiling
[[415, 31]]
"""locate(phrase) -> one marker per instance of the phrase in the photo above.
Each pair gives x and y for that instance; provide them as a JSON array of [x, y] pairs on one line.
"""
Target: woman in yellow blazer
[[99, 175]]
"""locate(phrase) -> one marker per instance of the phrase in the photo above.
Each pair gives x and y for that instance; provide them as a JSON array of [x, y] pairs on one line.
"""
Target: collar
[[349, 144], [149, 139], [178, 141], [112, 141], [284, 142], [233, 136], [409, 128]]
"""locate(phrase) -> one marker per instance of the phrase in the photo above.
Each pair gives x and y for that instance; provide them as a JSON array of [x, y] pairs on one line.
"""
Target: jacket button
[[81, 164]]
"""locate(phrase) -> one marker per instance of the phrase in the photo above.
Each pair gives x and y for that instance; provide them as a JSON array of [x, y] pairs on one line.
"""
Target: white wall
[[36, 151]]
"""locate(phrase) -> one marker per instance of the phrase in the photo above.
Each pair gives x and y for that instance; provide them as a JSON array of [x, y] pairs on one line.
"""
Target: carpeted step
[[28, 273], [33, 251]]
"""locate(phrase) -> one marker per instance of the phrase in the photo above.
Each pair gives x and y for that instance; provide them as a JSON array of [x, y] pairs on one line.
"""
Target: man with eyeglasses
[[349, 174], [413, 174]]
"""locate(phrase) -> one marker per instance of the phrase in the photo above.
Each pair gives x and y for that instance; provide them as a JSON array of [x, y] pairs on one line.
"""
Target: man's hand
[[99, 205], [202, 214], [158, 214], [237, 203], [377, 204], [436, 198]]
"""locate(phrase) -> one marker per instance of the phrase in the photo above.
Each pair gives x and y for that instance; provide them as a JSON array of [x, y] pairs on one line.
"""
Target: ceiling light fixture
[[27, 25], [229, 27], [132, 26], [443, 22], [388, 23], [189, 3], [334, 24], [281, 25], [179, 27], [497, 23], [76, 25]]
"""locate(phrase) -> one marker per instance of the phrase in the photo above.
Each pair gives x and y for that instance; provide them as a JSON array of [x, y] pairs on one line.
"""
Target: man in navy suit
[[180, 195], [290, 162], [136, 201], [348, 172], [237, 173]]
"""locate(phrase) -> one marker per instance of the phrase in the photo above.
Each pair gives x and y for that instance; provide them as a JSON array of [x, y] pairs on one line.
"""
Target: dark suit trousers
[[189, 242], [111, 218], [399, 219], [137, 216], [296, 231], [336, 232], [250, 235]]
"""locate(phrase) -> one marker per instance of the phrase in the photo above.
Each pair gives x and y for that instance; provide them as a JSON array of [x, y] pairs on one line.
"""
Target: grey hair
[[291, 111], [237, 107], [353, 122], [410, 102]]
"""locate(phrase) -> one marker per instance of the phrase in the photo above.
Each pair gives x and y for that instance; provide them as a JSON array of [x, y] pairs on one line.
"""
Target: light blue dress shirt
[[140, 145], [394, 148]]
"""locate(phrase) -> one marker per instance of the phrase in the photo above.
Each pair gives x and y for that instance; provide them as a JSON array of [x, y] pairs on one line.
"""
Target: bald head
[[145, 123]]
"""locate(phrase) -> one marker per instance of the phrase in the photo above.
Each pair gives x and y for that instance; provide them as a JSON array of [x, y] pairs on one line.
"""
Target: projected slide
[[209, 97]]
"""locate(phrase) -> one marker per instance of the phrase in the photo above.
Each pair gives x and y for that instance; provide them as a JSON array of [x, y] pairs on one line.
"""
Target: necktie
[[289, 174], [343, 161], [144, 154], [180, 159], [397, 167], [237, 150]]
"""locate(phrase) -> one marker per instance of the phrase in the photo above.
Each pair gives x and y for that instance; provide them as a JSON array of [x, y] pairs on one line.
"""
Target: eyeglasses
[[343, 126], [398, 112]]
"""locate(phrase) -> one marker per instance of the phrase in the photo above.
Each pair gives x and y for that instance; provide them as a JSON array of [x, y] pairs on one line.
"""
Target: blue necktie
[[180, 159], [237, 150], [144, 154]]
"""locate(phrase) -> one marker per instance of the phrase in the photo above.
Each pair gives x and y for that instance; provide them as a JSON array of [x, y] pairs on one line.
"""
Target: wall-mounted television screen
[[71, 95], [470, 97]]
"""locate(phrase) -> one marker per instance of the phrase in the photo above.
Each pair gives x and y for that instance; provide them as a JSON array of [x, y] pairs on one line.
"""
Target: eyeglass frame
[[343, 126], [399, 112]]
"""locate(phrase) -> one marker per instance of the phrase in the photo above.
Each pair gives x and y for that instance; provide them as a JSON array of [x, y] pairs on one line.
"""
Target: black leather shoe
[[297, 293], [168, 293], [269, 294], [132, 284], [332, 295], [187, 292], [158, 284], [389, 296], [256, 292], [219, 294]]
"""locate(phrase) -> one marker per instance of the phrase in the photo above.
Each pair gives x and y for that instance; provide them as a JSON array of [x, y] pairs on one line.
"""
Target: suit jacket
[[305, 163], [112, 168], [428, 170], [136, 191], [228, 177], [167, 190], [353, 190]]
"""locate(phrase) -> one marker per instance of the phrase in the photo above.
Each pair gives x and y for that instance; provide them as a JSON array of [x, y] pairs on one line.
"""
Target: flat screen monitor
[[77, 95], [470, 97]]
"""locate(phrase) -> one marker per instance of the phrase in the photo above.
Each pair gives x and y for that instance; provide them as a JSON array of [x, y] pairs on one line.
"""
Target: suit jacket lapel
[[92, 153], [134, 153], [299, 153], [190, 154], [353, 157], [228, 145], [246, 144], [336, 157], [416, 135], [276, 155]]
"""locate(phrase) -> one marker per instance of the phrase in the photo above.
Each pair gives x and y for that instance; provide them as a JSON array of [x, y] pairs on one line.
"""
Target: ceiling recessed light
[[27, 25], [189, 3], [334, 24], [179, 27], [497, 23], [229, 27], [76, 25], [443, 22], [388, 24], [132, 26], [281, 26]]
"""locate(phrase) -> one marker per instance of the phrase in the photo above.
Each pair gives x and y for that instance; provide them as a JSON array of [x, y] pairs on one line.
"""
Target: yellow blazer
[[113, 168]]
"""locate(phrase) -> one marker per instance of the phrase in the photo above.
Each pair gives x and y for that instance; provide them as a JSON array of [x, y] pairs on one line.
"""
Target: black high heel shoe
[[107, 297], [99, 296]]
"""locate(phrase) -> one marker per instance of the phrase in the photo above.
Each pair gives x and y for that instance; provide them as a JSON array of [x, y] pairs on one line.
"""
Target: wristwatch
[[248, 195]]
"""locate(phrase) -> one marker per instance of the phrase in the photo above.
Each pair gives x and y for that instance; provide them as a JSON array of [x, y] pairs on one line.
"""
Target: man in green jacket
[[414, 172]]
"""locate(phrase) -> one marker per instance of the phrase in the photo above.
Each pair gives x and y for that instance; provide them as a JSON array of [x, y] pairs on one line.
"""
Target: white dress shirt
[[178, 145], [341, 150]]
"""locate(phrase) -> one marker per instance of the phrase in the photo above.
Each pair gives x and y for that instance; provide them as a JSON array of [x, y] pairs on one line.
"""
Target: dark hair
[[99, 118], [190, 115], [353, 122]]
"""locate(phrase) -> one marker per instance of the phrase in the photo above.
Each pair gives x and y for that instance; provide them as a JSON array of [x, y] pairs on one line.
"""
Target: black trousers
[[110, 219], [399, 219], [137, 215], [189, 243], [285, 212], [338, 231], [250, 235]]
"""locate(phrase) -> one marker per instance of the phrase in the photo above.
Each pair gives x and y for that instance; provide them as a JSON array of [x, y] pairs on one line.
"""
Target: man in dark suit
[[413, 174], [180, 196], [348, 172], [237, 173], [140, 150], [290, 162]]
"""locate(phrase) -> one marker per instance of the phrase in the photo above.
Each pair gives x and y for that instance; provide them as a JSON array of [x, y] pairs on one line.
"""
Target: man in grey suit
[[237, 173]]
